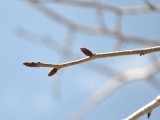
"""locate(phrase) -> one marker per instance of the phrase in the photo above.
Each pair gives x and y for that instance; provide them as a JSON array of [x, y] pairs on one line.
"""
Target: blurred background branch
[[114, 73]]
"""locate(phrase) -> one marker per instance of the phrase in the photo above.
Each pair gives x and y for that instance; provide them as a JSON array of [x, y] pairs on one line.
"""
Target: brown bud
[[53, 71], [86, 51], [30, 64], [148, 115]]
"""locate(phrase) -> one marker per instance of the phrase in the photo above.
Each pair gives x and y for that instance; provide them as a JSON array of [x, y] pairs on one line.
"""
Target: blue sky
[[29, 94]]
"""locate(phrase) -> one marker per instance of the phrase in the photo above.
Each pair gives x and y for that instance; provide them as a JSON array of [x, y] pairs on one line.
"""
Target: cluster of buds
[[35, 64], [53, 71]]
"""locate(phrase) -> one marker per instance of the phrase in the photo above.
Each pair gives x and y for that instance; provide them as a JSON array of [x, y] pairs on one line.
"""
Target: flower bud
[[86, 51], [53, 71]]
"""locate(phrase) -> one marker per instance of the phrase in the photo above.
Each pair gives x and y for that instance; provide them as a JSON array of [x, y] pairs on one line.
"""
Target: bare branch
[[112, 85], [91, 4], [95, 56], [149, 4], [117, 33], [56, 46], [139, 9], [146, 109], [93, 29]]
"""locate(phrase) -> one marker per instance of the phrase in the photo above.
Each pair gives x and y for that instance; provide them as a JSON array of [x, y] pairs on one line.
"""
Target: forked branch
[[91, 56]]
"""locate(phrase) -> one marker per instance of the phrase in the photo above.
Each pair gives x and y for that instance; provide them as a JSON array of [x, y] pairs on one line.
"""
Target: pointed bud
[[53, 71], [30, 64], [148, 115], [86, 52]]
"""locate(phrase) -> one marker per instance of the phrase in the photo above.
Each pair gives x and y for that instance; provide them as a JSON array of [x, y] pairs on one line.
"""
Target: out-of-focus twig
[[152, 7], [111, 86], [68, 43], [56, 47], [118, 26], [92, 29], [100, 16], [139, 9], [116, 33], [94, 4], [85, 3]]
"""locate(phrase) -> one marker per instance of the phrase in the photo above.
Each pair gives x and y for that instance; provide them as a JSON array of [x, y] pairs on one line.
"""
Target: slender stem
[[96, 56]]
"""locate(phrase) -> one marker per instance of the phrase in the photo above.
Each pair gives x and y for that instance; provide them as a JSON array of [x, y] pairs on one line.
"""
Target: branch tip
[[30, 64]]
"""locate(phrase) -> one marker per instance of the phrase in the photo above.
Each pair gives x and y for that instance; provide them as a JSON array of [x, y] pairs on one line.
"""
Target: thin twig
[[92, 4], [147, 2], [95, 56], [139, 9], [93, 29], [146, 109], [55, 46], [89, 4]]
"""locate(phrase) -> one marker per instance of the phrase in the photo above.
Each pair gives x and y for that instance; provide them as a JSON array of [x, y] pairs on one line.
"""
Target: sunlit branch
[[144, 110], [56, 46], [95, 56]]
